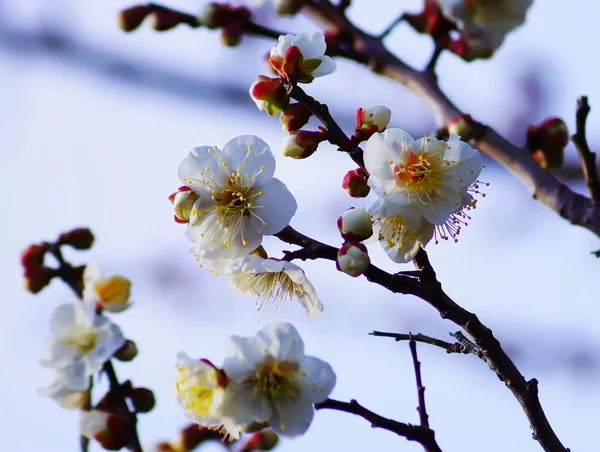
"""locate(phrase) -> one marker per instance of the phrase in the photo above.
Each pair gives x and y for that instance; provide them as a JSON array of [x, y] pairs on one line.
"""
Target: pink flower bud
[[546, 142], [462, 125], [371, 120], [294, 117], [303, 143], [269, 94], [231, 35], [131, 18], [353, 259], [33, 256], [183, 201], [355, 224], [108, 429], [79, 238], [265, 439], [36, 278], [355, 183]]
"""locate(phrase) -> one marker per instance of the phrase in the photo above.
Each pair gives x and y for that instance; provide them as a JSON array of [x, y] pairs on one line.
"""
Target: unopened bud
[[132, 18], [127, 352], [231, 35], [143, 399], [470, 47], [216, 15], [355, 224], [353, 259], [266, 439], [288, 7], [33, 256], [430, 21], [462, 125], [371, 120], [183, 201], [269, 94], [302, 144], [355, 183], [108, 429], [193, 435], [36, 278], [164, 19], [294, 117], [80, 238], [546, 142]]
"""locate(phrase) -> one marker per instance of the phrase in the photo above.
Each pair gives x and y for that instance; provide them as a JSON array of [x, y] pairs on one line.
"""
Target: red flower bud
[[131, 18], [546, 142], [302, 144], [294, 117], [36, 278], [355, 183], [265, 439], [462, 125], [80, 238], [33, 255], [143, 399]]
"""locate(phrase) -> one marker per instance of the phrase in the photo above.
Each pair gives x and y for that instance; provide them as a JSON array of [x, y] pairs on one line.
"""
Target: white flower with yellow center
[[80, 344], [401, 230], [239, 201], [486, 22], [110, 293], [200, 388], [272, 381], [275, 281], [65, 397], [433, 176]]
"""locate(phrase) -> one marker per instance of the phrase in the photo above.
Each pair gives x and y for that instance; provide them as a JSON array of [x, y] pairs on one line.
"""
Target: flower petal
[[382, 148], [318, 379], [312, 45], [251, 157], [293, 419], [281, 340], [327, 66], [279, 208]]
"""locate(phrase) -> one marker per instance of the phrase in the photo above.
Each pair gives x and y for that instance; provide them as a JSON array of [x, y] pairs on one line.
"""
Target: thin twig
[[391, 27], [423, 435], [588, 158], [423, 417], [456, 347]]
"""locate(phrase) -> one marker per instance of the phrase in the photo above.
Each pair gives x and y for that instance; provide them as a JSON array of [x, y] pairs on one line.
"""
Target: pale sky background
[[81, 147]]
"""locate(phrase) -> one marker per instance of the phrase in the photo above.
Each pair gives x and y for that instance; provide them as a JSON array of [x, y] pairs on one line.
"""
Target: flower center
[[196, 394], [81, 338], [394, 232], [269, 286], [421, 173], [275, 380]]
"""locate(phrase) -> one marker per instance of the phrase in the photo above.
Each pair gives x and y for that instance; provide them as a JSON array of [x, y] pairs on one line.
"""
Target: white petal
[[62, 318], [248, 154], [466, 167], [243, 354], [243, 406], [312, 45], [280, 208], [318, 380], [193, 169], [440, 208], [293, 419], [382, 148], [107, 343], [281, 340], [285, 41], [75, 376], [59, 355], [326, 67], [387, 189]]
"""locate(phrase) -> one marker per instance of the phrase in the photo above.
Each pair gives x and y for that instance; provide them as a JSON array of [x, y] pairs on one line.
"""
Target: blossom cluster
[[265, 381]]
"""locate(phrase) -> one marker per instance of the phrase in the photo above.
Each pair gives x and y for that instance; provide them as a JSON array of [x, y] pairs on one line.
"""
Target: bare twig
[[430, 290], [391, 27], [588, 158], [423, 435], [456, 347], [423, 417]]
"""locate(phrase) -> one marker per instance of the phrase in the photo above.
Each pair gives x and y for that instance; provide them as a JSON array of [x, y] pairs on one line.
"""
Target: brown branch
[[420, 434], [369, 50], [456, 347], [423, 417], [588, 158], [430, 290], [67, 274]]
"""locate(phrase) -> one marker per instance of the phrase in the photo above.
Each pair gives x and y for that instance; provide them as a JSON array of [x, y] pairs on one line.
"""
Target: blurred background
[[94, 123]]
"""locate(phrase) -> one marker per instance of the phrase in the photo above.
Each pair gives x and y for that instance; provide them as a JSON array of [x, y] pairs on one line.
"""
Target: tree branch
[[456, 347], [419, 434], [428, 288], [423, 417], [588, 158], [370, 50]]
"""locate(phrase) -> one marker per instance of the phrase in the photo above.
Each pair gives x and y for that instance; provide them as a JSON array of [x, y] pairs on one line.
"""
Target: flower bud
[[164, 19], [80, 238], [269, 94], [294, 117], [166, 447], [193, 435], [470, 47], [288, 7], [266, 439], [231, 35], [132, 18], [303, 143], [462, 125], [546, 142], [183, 200], [430, 21], [143, 399], [108, 429], [353, 259], [216, 15], [355, 224], [371, 120], [127, 352], [36, 278], [355, 183], [33, 256]]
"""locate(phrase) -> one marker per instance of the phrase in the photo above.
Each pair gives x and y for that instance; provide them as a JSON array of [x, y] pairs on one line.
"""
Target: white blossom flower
[[271, 380], [353, 259], [82, 341], [355, 224], [433, 176], [200, 388], [485, 23], [239, 201], [67, 398], [376, 116], [401, 230], [274, 280], [311, 61], [111, 294]]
